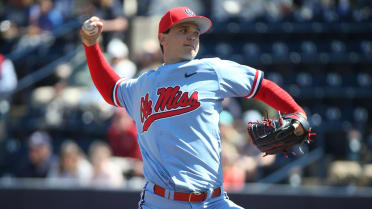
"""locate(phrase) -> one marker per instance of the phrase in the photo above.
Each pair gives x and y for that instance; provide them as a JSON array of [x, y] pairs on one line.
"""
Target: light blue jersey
[[176, 109]]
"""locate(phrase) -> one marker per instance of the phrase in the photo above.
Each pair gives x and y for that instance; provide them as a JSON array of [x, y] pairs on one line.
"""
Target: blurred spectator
[[118, 52], [253, 163], [354, 145], [14, 19], [112, 14], [67, 8], [234, 174], [228, 131], [8, 77], [149, 56], [232, 105], [40, 157], [251, 116], [44, 16], [52, 102], [72, 168], [9, 35], [8, 83], [57, 104], [122, 135], [42, 19], [32, 37], [105, 172], [143, 7], [18, 12]]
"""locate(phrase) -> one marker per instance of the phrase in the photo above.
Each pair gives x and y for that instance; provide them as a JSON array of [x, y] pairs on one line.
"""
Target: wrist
[[303, 114], [89, 44], [88, 40]]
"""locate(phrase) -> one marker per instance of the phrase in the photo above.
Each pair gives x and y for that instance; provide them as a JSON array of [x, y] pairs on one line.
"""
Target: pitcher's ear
[[161, 38]]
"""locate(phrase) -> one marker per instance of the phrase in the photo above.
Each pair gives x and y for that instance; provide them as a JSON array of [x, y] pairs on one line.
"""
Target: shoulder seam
[[217, 74]]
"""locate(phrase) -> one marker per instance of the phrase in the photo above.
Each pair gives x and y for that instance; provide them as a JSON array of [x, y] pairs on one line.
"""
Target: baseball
[[89, 28]]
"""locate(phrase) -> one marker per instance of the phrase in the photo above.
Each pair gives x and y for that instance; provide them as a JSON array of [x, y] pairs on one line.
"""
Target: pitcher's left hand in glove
[[274, 136]]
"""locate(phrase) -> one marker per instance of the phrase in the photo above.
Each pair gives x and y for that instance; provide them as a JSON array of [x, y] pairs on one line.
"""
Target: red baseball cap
[[183, 14]]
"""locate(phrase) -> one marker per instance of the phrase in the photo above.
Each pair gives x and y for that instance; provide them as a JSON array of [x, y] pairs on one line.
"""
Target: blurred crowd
[[294, 10], [70, 165], [60, 129]]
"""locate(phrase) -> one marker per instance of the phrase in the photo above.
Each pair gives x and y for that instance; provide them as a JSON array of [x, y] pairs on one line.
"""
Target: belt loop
[[190, 197], [171, 195], [167, 194], [209, 193]]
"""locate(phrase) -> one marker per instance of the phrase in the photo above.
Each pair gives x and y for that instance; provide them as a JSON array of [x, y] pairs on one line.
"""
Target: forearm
[[273, 95], [103, 76], [118, 24]]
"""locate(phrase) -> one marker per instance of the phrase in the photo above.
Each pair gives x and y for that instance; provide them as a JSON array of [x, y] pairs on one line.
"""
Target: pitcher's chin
[[190, 56]]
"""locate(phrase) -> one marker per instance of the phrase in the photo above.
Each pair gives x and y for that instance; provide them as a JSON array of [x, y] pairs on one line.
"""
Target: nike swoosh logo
[[189, 75]]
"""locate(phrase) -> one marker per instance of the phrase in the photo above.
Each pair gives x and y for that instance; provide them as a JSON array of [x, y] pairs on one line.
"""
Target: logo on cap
[[189, 12]]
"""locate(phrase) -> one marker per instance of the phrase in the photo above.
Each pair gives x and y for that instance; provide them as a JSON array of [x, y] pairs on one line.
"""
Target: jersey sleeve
[[124, 93], [236, 80]]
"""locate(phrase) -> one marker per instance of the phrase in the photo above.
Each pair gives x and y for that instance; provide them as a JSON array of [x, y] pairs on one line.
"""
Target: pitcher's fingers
[[99, 25], [94, 19]]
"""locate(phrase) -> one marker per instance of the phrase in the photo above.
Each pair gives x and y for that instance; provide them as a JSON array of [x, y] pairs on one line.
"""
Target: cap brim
[[204, 23]]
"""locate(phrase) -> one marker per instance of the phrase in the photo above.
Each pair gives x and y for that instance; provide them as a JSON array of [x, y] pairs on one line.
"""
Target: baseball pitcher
[[176, 109]]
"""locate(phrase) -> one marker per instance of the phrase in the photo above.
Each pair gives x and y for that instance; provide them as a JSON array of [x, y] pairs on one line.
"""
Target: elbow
[[109, 101]]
